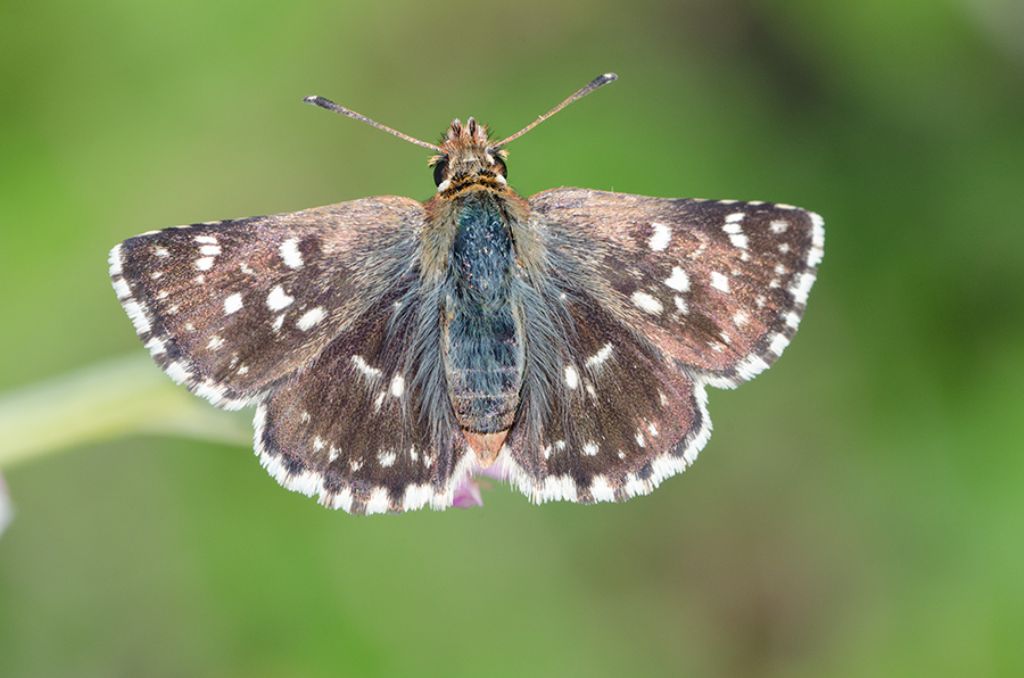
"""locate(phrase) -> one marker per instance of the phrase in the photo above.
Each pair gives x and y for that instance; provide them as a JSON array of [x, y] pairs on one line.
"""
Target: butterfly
[[393, 348]]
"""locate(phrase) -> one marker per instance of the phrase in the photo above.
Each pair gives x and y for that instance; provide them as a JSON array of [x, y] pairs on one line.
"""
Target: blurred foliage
[[858, 510]]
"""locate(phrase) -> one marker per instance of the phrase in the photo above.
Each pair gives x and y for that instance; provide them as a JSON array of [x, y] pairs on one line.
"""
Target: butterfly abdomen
[[482, 339]]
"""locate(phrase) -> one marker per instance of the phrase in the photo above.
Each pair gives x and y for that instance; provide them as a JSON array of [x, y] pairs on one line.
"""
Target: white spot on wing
[[397, 386], [386, 459], [740, 318], [556, 488], [600, 490], [678, 281], [417, 496], [378, 501], [660, 238], [178, 371], [365, 368], [115, 260], [289, 251], [646, 302], [719, 281], [600, 357], [739, 240], [156, 346], [209, 250], [121, 289], [778, 226], [572, 377], [802, 287], [204, 263], [779, 343], [590, 448], [232, 303], [311, 318], [817, 252], [212, 392], [278, 299], [137, 314]]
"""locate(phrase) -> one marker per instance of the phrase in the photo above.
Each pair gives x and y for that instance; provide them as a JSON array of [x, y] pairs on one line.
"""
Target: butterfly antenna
[[349, 113], [596, 83]]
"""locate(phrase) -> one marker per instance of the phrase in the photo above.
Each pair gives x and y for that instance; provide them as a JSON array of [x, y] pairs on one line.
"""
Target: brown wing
[[230, 307], [720, 286], [366, 426], [616, 417], [651, 299]]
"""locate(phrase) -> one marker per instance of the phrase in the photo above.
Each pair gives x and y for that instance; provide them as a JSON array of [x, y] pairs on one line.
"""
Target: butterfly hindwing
[[230, 307], [720, 286], [619, 416], [358, 426]]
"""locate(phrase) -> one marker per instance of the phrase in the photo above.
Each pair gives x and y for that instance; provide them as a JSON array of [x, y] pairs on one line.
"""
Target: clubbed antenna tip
[[596, 83], [349, 113]]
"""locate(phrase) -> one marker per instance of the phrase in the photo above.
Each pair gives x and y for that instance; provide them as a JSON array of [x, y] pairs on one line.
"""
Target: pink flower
[[467, 495]]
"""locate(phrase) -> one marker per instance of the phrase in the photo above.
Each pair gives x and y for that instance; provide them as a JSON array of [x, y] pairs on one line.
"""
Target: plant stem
[[112, 399]]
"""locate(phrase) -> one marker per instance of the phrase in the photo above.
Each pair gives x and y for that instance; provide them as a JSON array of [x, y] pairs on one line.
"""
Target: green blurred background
[[858, 511]]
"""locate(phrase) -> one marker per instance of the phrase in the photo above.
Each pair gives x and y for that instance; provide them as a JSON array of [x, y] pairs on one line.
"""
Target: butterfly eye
[[439, 170], [499, 164]]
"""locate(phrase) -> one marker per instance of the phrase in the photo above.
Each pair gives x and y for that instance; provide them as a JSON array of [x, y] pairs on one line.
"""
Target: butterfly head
[[467, 157]]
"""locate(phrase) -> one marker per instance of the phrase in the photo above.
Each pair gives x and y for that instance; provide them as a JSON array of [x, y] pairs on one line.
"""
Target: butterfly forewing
[[719, 286], [230, 307]]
